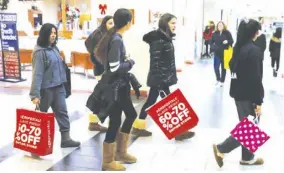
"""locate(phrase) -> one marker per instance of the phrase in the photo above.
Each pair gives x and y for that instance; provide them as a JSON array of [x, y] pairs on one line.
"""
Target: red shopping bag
[[173, 114], [249, 134], [34, 132]]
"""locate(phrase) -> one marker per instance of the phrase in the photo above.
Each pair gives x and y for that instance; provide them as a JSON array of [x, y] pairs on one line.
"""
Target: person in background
[[246, 88], [220, 41], [91, 44], [261, 43], [212, 25], [162, 73], [207, 35], [275, 49], [48, 78], [111, 52]]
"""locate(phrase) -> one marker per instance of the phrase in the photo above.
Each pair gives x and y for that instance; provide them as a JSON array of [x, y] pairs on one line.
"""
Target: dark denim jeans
[[217, 63]]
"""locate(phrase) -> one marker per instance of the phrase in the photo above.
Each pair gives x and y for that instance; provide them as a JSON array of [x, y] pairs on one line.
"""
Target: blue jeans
[[217, 63]]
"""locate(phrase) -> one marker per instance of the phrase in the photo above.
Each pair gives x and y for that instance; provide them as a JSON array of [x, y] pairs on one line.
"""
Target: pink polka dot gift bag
[[249, 134]]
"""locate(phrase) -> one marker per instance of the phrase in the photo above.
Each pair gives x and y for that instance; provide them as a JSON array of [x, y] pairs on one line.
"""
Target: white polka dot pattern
[[249, 135]]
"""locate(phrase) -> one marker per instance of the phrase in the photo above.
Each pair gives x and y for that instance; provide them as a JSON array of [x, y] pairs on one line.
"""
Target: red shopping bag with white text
[[173, 114], [249, 134], [34, 132]]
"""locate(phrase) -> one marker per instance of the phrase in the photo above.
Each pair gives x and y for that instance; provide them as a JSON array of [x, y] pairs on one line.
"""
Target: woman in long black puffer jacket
[[275, 49], [162, 72]]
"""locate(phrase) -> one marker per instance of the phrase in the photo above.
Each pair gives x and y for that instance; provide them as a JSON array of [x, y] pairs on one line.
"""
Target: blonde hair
[[224, 26]]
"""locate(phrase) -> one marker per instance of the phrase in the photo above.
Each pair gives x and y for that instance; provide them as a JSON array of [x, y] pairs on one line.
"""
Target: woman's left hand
[[258, 110]]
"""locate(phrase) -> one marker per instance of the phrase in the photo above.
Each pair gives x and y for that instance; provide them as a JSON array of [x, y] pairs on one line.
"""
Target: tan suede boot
[[97, 127], [94, 124], [139, 128], [121, 150], [109, 164]]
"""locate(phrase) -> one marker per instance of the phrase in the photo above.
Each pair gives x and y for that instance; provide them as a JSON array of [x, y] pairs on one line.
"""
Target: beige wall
[[133, 38], [83, 5], [137, 49]]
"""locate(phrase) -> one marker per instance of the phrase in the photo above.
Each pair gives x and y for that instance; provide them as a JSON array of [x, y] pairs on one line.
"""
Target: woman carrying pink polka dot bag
[[249, 134]]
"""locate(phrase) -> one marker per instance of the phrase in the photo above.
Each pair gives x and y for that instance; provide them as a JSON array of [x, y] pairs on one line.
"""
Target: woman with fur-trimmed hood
[[274, 49]]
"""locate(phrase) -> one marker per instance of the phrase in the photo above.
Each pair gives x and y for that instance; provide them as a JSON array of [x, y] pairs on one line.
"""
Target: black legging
[[125, 105], [277, 61], [152, 98], [206, 47]]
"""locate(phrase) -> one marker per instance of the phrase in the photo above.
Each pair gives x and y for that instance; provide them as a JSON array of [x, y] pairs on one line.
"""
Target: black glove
[[137, 93], [132, 62]]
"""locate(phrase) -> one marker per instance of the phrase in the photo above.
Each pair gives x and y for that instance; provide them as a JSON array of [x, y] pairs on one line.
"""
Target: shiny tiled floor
[[216, 111]]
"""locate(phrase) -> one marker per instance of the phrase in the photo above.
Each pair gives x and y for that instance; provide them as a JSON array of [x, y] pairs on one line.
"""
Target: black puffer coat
[[162, 72]]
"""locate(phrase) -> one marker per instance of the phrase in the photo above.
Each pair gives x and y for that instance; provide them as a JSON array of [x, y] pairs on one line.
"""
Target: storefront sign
[[9, 36], [10, 60]]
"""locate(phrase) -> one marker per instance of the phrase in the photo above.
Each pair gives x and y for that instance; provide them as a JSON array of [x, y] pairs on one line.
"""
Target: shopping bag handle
[[254, 119], [37, 107], [163, 92]]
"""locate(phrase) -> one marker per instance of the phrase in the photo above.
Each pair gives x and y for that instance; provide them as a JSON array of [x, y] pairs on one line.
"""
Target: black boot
[[274, 73], [185, 135], [35, 156], [67, 142]]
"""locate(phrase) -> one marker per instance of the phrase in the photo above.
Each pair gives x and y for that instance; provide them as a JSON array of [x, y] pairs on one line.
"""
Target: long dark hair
[[164, 23], [246, 32], [278, 33], [103, 27], [44, 35], [121, 18]]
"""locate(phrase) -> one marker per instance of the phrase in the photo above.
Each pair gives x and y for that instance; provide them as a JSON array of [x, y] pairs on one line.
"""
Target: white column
[[179, 7], [193, 30]]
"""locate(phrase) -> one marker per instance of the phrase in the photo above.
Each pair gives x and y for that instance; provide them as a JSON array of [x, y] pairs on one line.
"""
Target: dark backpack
[[89, 43]]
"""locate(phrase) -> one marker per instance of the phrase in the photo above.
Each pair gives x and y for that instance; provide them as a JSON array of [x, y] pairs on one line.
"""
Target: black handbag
[[67, 84]]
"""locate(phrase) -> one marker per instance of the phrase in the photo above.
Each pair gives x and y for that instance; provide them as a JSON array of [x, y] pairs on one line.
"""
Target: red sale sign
[[173, 114], [34, 132]]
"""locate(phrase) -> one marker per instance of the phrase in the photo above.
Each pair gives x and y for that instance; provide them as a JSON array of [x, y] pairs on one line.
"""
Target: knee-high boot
[[109, 164], [121, 150]]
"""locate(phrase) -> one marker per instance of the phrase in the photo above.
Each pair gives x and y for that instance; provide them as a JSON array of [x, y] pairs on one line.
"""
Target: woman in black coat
[[246, 88], [162, 72], [275, 49], [221, 40]]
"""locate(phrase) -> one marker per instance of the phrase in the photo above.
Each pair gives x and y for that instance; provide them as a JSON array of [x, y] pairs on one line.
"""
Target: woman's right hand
[[36, 101], [132, 62]]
